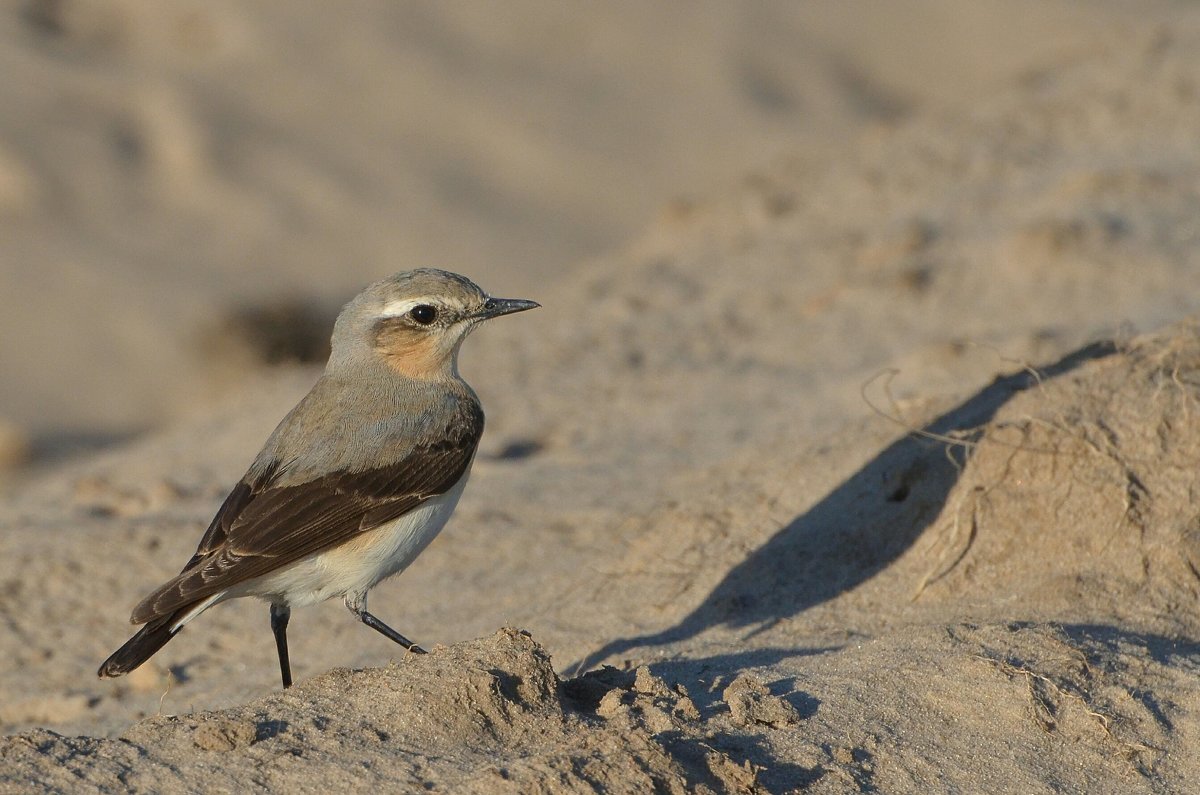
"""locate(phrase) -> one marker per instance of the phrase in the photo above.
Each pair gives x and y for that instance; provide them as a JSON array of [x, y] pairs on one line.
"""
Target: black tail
[[142, 646]]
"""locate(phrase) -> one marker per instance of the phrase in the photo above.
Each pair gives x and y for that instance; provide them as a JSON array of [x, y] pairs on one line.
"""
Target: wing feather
[[263, 525]]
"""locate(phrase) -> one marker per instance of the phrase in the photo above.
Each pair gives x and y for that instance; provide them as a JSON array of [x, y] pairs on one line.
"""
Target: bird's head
[[415, 322]]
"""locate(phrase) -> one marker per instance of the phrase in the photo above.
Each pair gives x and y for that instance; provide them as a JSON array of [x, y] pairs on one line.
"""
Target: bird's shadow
[[858, 529]]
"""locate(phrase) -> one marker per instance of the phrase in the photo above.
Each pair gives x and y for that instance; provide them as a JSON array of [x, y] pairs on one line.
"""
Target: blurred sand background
[[166, 166], [768, 238]]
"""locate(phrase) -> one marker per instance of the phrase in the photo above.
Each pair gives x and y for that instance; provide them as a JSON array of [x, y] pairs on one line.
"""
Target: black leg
[[383, 629], [358, 606], [279, 621]]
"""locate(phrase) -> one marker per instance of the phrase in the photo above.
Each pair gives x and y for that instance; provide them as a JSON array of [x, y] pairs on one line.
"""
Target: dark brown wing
[[241, 496], [262, 526]]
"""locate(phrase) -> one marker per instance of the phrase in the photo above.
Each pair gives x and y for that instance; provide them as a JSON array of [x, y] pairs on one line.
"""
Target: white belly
[[361, 563]]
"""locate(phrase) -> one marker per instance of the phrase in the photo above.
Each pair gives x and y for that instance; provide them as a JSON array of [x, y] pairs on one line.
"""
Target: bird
[[355, 481]]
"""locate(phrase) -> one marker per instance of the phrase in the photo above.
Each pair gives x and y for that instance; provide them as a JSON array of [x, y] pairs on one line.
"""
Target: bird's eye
[[423, 314]]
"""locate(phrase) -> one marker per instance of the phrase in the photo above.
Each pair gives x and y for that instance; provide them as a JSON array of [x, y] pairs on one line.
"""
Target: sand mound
[[1020, 569], [1057, 491], [1079, 497], [486, 716]]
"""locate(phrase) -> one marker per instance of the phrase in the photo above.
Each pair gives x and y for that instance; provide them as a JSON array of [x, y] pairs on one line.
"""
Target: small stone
[[612, 704], [735, 777], [685, 709], [750, 703], [656, 719], [648, 684]]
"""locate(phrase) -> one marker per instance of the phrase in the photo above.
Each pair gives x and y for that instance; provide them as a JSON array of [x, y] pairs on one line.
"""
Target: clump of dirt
[[750, 702]]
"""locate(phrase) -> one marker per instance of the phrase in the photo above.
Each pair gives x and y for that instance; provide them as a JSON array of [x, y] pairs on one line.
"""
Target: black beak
[[495, 307]]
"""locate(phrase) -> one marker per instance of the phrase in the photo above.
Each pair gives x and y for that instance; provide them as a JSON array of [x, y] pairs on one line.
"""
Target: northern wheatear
[[355, 481]]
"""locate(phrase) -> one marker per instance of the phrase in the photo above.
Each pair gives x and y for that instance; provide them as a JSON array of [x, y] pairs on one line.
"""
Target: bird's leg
[[279, 621], [357, 604]]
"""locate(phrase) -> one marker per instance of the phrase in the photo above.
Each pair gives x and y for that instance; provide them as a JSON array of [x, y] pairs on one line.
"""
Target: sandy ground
[[868, 470]]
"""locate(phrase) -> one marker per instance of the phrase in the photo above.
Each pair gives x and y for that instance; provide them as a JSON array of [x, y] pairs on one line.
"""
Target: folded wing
[[263, 526]]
